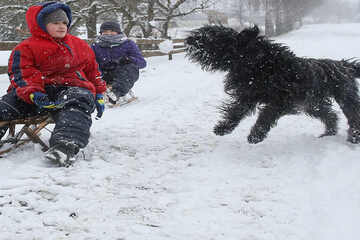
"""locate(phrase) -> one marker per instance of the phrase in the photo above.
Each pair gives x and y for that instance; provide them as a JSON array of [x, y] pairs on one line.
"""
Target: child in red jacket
[[53, 71]]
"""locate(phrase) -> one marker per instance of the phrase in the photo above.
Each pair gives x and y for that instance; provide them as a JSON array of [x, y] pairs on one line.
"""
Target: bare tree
[[85, 12], [282, 16], [291, 13], [173, 9], [147, 15], [151, 11], [216, 17], [269, 19], [150, 15], [12, 19]]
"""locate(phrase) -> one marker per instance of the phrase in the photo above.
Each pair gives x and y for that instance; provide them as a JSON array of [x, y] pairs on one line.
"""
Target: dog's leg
[[325, 113], [232, 115], [267, 119], [350, 105]]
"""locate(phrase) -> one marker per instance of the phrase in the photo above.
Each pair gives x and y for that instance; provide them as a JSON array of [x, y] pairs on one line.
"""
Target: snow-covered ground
[[156, 170]]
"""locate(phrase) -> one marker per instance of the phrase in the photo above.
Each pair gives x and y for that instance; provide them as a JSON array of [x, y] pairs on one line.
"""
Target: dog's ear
[[248, 34]]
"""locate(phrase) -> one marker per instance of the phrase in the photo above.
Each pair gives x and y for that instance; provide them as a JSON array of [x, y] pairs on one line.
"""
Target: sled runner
[[123, 102], [25, 130], [128, 98]]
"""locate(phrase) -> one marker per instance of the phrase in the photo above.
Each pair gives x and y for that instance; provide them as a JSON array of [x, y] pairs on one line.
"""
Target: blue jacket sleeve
[[136, 56]]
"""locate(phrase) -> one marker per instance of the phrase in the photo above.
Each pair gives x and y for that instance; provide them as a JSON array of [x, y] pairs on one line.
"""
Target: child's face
[[57, 29], [108, 32]]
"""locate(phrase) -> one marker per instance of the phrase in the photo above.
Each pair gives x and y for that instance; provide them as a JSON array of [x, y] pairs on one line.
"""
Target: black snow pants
[[72, 121], [122, 78]]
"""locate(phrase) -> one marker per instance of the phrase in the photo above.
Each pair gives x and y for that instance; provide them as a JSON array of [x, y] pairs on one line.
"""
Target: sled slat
[[29, 132]]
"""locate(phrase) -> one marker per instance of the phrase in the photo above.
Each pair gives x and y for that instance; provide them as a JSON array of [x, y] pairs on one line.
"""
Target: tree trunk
[[91, 22], [241, 17], [269, 24], [128, 27], [289, 18], [147, 30], [165, 28], [279, 18]]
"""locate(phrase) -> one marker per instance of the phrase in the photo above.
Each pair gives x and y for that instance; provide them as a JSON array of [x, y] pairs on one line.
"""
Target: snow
[[156, 170], [166, 46], [4, 57]]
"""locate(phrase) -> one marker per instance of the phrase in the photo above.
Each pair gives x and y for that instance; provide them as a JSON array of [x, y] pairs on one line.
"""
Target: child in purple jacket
[[119, 59]]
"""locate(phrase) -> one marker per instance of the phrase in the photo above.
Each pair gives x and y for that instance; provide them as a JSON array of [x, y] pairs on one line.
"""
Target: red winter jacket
[[41, 60]]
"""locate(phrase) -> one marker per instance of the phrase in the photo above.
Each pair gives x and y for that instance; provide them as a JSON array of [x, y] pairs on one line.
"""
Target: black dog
[[267, 76]]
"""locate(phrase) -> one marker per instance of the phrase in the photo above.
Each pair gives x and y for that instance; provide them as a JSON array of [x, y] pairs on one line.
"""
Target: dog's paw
[[328, 133], [255, 139], [221, 129], [353, 136]]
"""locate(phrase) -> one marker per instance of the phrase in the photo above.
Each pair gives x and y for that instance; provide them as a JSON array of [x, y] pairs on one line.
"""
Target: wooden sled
[[25, 130], [122, 100]]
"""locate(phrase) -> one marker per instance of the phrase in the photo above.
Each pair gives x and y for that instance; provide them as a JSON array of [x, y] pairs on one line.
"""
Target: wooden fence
[[148, 47]]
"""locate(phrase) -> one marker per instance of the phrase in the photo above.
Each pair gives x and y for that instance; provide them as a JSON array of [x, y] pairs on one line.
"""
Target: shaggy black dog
[[267, 76]]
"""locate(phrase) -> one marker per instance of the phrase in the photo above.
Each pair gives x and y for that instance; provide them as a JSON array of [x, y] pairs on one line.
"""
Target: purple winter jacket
[[108, 53]]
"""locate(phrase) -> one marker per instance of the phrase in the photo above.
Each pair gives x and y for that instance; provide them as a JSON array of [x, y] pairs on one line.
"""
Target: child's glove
[[100, 105], [42, 101], [124, 60]]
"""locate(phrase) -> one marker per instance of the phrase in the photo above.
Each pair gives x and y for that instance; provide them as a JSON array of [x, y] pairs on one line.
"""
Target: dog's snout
[[189, 41]]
